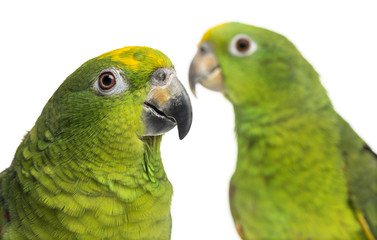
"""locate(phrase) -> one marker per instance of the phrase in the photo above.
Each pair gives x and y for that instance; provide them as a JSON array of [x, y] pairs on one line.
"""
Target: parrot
[[91, 168], [301, 172]]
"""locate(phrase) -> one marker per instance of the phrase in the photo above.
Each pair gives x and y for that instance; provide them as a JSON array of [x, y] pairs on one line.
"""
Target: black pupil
[[107, 80], [243, 45]]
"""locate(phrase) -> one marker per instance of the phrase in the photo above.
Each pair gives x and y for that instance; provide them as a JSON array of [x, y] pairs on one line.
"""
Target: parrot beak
[[167, 105], [205, 69]]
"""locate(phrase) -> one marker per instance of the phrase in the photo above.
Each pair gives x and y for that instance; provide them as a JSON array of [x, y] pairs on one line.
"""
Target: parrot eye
[[242, 46], [110, 82], [106, 80]]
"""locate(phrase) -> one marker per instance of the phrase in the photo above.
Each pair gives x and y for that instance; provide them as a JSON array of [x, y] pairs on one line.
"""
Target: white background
[[42, 42]]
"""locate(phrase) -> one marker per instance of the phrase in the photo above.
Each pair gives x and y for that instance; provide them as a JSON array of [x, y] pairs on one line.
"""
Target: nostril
[[202, 49], [161, 76]]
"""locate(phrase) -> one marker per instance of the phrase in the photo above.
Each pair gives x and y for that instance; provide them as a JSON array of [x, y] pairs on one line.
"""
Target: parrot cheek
[[205, 69]]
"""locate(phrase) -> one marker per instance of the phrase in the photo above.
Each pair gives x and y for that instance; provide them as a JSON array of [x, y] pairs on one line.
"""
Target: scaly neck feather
[[288, 150]]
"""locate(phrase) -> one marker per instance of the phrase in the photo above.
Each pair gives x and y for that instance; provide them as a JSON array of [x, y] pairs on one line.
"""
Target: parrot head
[[132, 91], [253, 66]]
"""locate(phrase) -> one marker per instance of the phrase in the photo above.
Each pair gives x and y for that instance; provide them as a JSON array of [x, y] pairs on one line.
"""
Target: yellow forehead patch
[[115, 56], [134, 57], [207, 35]]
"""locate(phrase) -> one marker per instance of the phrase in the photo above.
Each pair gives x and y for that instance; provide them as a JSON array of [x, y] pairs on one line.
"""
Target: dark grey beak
[[167, 105]]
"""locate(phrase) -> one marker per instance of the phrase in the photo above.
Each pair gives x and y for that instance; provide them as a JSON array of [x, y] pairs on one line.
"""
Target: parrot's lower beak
[[167, 105], [205, 69]]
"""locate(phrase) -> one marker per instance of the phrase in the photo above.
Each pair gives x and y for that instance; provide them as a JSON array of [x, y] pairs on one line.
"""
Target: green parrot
[[301, 172], [90, 168]]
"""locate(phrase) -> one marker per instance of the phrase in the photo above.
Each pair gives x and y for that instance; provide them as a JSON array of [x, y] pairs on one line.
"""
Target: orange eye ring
[[106, 81]]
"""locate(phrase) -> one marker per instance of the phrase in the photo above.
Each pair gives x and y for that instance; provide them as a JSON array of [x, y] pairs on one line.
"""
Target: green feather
[[302, 172], [83, 172]]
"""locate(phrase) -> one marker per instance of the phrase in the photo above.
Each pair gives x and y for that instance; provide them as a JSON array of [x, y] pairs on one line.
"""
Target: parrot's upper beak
[[205, 69], [167, 105]]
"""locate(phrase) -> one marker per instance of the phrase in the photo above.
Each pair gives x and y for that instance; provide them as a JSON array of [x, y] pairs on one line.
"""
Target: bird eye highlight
[[242, 45], [110, 82]]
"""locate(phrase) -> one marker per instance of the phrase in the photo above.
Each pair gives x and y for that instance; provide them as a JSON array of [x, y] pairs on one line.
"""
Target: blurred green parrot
[[302, 172], [90, 168]]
